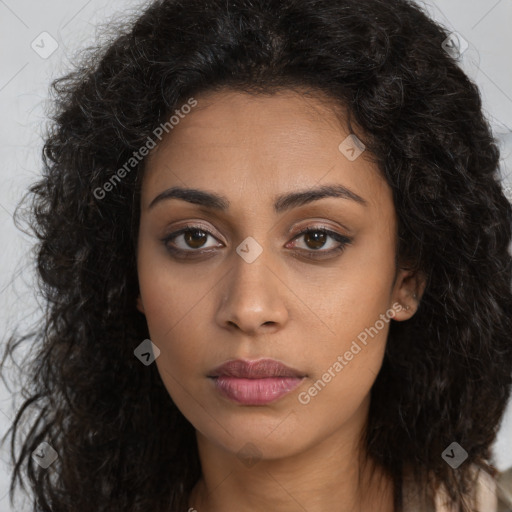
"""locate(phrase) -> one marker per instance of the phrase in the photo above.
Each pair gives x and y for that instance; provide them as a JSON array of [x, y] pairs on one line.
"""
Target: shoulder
[[504, 490], [492, 493]]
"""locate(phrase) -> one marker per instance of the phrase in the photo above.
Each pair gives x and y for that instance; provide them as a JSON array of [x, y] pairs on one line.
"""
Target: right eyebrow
[[282, 203]]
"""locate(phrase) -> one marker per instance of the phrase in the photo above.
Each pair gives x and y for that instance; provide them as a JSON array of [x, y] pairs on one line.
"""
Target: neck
[[330, 475]]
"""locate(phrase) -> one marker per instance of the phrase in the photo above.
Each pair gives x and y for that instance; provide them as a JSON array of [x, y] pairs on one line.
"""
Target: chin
[[254, 437]]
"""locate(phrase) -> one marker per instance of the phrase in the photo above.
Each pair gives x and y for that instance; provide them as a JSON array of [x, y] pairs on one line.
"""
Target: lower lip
[[255, 391]]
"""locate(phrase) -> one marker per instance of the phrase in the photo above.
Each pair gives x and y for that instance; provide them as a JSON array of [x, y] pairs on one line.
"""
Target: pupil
[[195, 238], [318, 238]]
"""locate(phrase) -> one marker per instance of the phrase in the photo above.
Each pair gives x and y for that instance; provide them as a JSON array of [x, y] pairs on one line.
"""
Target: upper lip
[[260, 369]]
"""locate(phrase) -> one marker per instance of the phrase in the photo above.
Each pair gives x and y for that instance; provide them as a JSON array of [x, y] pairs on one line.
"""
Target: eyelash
[[182, 253]]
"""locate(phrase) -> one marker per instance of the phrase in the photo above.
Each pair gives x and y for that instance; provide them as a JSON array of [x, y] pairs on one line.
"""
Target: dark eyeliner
[[343, 240], [311, 253], [181, 253]]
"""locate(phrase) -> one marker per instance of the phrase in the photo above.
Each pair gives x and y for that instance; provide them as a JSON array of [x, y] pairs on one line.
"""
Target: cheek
[[355, 293], [166, 311], [345, 364], [173, 294], [175, 328], [357, 312]]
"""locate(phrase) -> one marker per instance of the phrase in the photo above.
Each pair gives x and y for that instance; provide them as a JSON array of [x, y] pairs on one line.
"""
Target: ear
[[408, 290], [140, 305]]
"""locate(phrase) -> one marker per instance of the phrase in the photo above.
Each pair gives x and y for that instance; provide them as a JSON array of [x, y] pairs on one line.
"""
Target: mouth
[[255, 382]]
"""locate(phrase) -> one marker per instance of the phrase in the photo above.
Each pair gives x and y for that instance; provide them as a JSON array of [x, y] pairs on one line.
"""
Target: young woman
[[273, 244]]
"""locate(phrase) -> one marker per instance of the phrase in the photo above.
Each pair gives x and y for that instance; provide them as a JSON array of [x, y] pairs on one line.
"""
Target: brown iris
[[317, 237], [195, 238]]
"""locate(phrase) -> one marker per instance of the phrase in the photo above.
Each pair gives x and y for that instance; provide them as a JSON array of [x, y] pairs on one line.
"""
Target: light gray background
[[24, 81]]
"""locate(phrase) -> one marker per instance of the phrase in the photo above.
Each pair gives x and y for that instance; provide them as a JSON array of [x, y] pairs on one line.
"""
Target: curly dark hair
[[446, 373]]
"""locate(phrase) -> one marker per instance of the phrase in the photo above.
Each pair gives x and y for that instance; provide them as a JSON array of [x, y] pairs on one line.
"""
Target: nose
[[253, 297]]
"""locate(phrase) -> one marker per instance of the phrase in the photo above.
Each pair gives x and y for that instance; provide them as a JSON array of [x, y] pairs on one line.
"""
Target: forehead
[[262, 145], [280, 121]]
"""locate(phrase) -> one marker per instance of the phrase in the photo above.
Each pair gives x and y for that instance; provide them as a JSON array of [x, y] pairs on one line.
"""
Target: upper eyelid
[[330, 232]]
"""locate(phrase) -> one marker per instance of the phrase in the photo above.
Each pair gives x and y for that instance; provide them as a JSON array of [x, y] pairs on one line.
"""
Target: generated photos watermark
[[147, 352], [343, 360], [44, 455], [454, 455], [138, 156]]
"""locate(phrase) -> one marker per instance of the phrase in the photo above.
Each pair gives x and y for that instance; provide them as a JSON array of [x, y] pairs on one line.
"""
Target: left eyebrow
[[282, 202], [302, 197]]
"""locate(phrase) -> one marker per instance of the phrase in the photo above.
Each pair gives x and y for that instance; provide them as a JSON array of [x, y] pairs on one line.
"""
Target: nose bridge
[[251, 261], [252, 292]]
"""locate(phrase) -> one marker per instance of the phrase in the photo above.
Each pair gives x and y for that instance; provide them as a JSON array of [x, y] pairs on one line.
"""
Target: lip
[[258, 369], [255, 382]]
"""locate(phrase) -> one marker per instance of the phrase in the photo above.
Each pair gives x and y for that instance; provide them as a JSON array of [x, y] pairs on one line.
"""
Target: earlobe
[[408, 290], [140, 306]]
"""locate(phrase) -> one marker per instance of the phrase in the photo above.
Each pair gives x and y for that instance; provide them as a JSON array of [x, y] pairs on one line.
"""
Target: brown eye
[[189, 241], [195, 238], [315, 239]]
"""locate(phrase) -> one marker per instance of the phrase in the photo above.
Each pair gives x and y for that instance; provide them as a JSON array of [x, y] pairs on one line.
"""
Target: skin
[[303, 312]]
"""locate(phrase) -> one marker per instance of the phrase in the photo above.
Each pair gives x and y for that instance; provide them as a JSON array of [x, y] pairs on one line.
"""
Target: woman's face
[[242, 284]]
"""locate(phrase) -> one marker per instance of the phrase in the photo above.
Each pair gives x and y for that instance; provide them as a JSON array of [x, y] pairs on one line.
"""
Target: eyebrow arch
[[282, 203]]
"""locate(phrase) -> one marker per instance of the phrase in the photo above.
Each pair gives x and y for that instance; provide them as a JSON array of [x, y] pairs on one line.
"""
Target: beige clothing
[[493, 494]]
